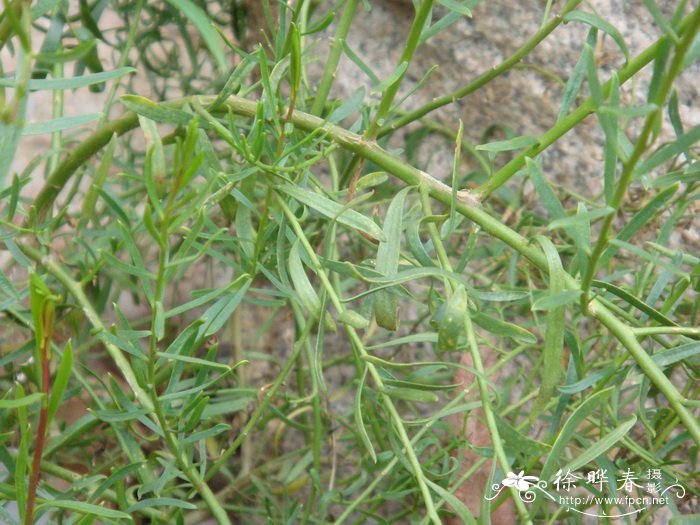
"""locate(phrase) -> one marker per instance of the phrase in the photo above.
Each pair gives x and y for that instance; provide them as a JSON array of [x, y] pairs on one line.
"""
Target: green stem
[[483, 79], [439, 248], [56, 136], [47, 320], [171, 441], [63, 172], [412, 42], [626, 336], [334, 55], [262, 406], [642, 145], [568, 122], [670, 330], [124, 58], [390, 466], [488, 414], [359, 347], [466, 204], [12, 13], [65, 474], [478, 364], [74, 288]]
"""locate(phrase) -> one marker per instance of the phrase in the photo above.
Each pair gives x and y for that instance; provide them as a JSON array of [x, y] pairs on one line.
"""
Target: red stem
[[41, 432]]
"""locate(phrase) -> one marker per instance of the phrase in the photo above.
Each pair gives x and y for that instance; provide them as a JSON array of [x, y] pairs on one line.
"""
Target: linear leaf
[[22, 401], [573, 86], [194, 361], [59, 124], [517, 442], [200, 300], [203, 24], [600, 447], [335, 211], [642, 217], [502, 328], [83, 508], [659, 18], [499, 296], [347, 108], [414, 385], [69, 54], [118, 416], [306, 292], [127, 268], [569, 429], [58, 84], [574, 220], [388, 253], [161, 502], [611, 128], [669, 151], [634, 301], [215, 317], [395, 76], [555, 300], [671, 356], [410, 394], [359, 63], [204, 434], [60, 382], [588, 381], [629, 111], [457, 7], [544, 190], [599, 23], [652, 258], [553, 351], [357, 415], [454, 502], [508, 145], [155, 111], [429, 337]]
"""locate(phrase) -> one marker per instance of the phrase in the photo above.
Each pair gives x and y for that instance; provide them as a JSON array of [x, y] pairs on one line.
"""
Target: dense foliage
[[221, 296]]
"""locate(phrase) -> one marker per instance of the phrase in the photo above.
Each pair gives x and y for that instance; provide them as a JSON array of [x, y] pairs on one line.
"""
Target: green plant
[[256, 177]]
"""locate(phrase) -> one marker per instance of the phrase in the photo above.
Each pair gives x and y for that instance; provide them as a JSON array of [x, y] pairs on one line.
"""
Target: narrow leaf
[[502, 328], [599, 23], [385, 305], [60, 382], [305, 291], [59, 124], [669, 151], [553, 351], [574, 220], [83, 508], [202, 22], [22, 401], [569, 429], [155, 111], [508, 145], [359, 423], [395, 76], [217, 315], [335, 211], [58, 84], [600, 446]]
